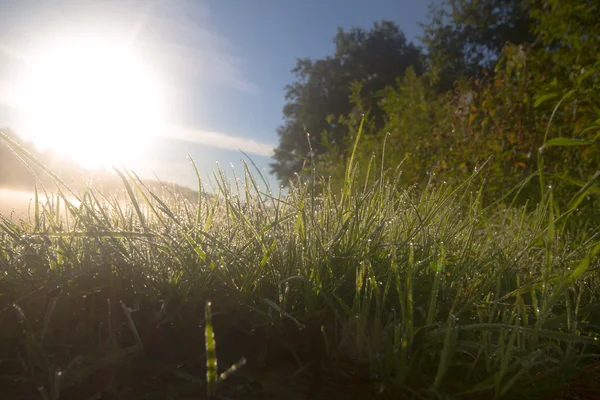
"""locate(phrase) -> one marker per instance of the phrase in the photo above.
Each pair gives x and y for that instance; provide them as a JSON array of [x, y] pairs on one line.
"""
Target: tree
[[322, 92], [568, 84], [464, 36]]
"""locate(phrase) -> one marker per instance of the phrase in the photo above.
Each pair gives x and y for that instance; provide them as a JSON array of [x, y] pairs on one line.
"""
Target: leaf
[[561, 141], [567, 281], [211, 352], [578, 198], [595, 125], [543, 98]]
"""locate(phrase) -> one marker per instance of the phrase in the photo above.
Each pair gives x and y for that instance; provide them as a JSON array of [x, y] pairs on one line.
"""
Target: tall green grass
[[377, 291]]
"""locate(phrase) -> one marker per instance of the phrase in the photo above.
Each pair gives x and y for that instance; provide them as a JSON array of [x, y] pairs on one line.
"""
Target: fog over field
[[15, 202]]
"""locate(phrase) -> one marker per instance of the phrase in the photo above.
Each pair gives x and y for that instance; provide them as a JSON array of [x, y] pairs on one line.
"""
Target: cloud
[[222, 141], [178, 36], [188, 45]]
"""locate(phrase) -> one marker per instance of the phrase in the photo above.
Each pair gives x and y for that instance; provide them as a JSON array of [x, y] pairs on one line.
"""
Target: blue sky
[[225, 63]]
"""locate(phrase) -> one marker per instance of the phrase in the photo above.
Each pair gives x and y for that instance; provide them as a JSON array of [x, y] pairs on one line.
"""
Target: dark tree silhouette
[[464, 36], [375, 57]]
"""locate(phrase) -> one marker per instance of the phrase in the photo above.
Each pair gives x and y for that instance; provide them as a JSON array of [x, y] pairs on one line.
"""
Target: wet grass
[[377, 291]]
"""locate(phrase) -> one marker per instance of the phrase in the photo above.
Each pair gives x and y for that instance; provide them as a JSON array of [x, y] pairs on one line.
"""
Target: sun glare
[[90, 100]]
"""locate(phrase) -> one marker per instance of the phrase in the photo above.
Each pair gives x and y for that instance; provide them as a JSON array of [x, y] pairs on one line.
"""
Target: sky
[[223, 64]]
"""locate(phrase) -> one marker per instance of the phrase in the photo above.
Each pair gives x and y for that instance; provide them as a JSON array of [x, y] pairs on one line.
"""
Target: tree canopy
[[464, 36], [323, 88]]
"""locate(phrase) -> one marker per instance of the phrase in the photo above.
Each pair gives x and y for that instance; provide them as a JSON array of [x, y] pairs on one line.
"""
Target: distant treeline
[[15, 174], [18, 175]]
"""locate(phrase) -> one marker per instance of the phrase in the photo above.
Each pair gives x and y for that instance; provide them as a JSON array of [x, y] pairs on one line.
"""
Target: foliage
[[321, 93], [376, 291], [464, 36], [543, 98], [535, 113], [416, 134], [570, 82]]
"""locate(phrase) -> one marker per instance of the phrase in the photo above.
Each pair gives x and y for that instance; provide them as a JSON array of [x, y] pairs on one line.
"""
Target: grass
[[378, 291]]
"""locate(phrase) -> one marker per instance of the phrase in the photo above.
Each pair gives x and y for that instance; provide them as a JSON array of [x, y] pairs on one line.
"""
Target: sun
[[91, 100]]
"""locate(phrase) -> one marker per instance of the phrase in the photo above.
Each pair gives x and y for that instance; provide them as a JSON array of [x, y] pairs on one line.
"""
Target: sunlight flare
[[91, 100]]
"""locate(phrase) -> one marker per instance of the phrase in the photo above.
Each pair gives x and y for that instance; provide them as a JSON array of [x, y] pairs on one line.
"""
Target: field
[[380, 290], [14, 202]]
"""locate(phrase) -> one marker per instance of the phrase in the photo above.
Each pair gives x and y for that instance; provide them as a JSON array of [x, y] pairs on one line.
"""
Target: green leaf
[[543, 98], [211, 352], [570, 278], [561, 141], [580, 195]]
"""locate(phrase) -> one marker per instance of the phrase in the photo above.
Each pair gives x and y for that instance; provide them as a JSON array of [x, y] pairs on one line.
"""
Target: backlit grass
[[378, 291]]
